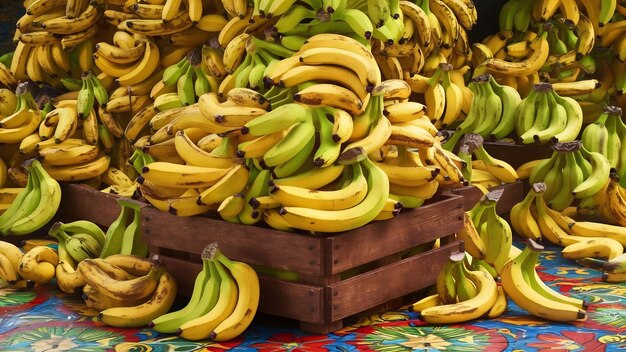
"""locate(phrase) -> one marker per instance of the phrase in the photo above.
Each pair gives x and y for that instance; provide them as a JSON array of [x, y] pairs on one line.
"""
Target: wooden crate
[[517, 154], [513, 194], [81, 202], [320, 299]]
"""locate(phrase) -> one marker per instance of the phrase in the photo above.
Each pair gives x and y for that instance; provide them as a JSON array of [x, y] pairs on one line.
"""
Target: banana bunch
[[545, 116], [184, 80], [605, 136], [554, 226], [522, 284], [33, 207], [493, 118], [47, 32], [612, 36], [10, 258], [123, 236], [571, 173], [81, 239], [487, 236], [129, 291], [91, 90], [484, 170], [348, 66], [222, 305], [462, 295], [23, 120], [38, 264]]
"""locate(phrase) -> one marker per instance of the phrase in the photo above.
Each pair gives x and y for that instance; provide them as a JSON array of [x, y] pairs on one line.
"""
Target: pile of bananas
[[33, 206], [222, 305], [129, 291], [533, 218]]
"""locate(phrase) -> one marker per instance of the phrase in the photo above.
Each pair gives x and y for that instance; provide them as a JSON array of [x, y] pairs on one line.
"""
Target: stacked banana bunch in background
[[481, 169]]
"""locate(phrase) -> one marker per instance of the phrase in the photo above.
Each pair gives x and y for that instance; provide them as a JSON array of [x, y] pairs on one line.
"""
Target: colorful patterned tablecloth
[[45, 319]]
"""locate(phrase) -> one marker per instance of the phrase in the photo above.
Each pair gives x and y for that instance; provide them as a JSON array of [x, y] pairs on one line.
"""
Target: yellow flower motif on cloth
[[431, 341], [54, 344]]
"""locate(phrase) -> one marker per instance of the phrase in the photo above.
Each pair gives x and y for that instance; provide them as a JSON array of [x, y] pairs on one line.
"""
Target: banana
[[378, 135], [596, 179], [469, 309], [39, 264], [133, 289], [46, 204], [160, 302], [276, 120], [228, 116], [342, 220], [521, 218], [523, 294], [593, 248], [344, 198], [498, 240], [201, 327], [203, 298]]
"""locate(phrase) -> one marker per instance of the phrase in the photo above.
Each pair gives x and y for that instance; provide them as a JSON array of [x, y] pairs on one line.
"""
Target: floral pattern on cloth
[[45, 319]]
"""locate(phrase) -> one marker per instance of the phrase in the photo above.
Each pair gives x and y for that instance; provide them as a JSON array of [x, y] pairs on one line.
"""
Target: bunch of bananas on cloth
[[34, 206], [82, 239], [523, 285], [535, 219], [129, 291], [222, 305], [462, 294], [606, 136], [485, 170], [10, 258]]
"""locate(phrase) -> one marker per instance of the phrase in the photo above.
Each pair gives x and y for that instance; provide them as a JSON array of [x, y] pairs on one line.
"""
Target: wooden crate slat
[[80, 202], [513, 193], [517, 154], [382, 238], [378, 286], [282, 298], [251, 244]]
